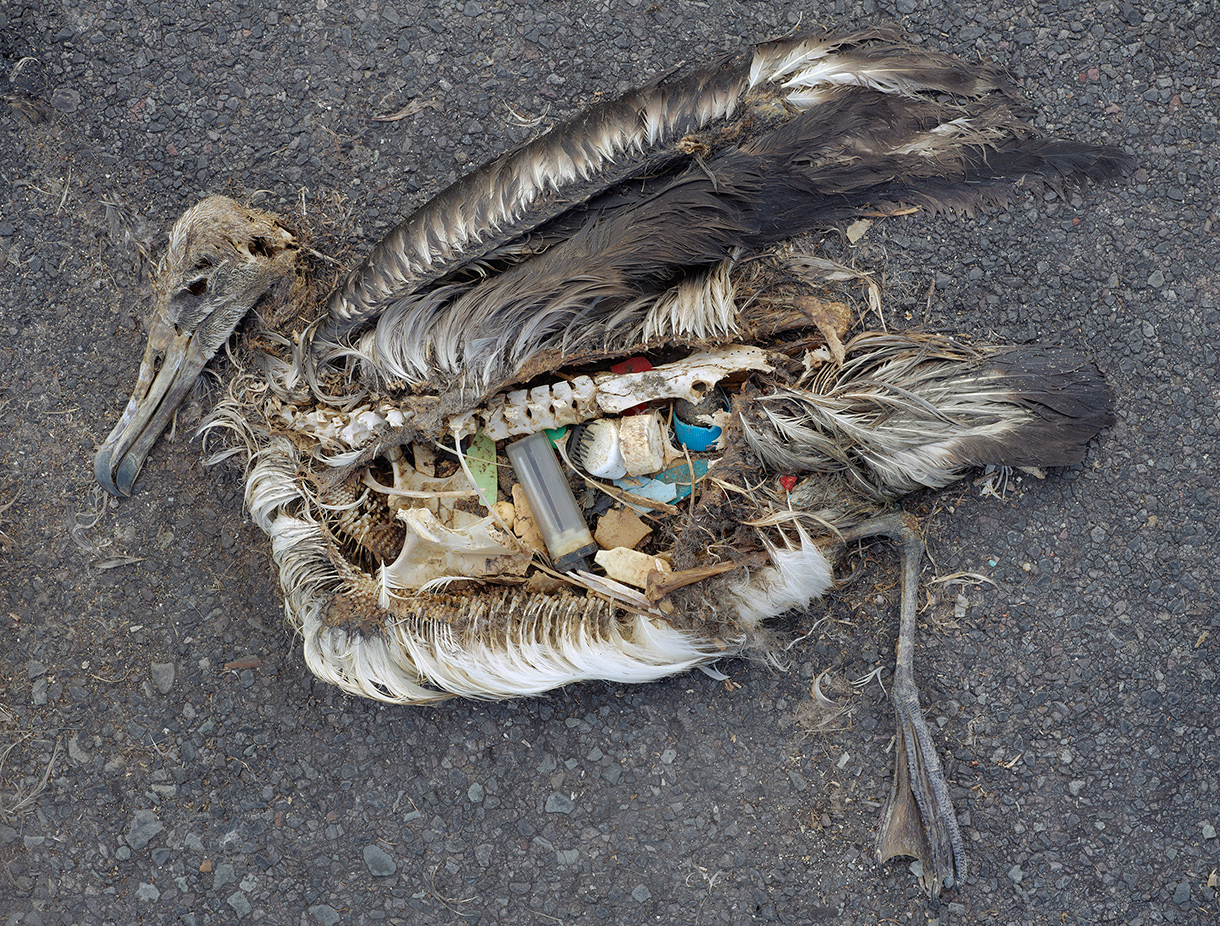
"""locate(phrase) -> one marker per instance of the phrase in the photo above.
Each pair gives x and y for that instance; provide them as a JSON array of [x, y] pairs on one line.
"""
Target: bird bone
[[525, 411], [432, 552]]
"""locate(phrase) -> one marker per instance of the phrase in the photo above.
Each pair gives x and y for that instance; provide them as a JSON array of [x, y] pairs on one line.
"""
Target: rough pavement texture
[[198, 774]]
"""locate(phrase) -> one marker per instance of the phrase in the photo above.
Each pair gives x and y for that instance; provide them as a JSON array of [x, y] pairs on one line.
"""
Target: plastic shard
[[630, 567]]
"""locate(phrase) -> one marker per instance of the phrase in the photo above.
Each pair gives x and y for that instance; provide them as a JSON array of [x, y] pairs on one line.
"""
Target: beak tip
[[116, 481], [101, 471], [125, 480]]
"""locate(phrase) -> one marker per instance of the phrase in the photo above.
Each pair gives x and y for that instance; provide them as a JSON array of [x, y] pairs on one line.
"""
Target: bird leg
[[918, 820]]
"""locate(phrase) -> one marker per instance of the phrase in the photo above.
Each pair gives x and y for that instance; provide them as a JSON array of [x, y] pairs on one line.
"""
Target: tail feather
[[1066, 398], [906, 413]]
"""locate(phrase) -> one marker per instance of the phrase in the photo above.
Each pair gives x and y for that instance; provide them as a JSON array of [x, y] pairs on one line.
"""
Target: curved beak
[[172, 362]]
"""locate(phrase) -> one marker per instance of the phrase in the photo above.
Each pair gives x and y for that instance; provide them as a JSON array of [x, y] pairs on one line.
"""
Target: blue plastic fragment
[[669, 485], [695, 437]]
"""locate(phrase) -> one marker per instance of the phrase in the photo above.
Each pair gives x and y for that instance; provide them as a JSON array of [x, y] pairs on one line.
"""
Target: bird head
[[223, 259]]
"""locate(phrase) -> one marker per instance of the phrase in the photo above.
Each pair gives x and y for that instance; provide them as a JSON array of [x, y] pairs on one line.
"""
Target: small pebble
[[379, 862]]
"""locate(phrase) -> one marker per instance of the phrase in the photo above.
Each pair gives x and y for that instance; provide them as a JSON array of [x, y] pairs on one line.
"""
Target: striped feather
[[906, 412]]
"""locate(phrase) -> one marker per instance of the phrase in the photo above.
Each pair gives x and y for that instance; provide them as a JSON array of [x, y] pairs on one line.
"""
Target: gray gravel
[[198, 775]]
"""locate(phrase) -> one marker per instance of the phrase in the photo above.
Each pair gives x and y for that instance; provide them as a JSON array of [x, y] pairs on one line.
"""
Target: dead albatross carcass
[[578, 418]]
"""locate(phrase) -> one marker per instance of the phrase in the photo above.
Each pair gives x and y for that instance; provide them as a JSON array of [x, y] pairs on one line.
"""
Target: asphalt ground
[[195, 773]]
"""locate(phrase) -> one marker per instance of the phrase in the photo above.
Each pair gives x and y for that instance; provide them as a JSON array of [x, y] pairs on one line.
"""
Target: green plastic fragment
[[481, 458]]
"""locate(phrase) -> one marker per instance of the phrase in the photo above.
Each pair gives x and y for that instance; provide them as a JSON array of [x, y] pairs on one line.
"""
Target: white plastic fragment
[[642, 439], [600, 452], [630, 567], [614, 448]]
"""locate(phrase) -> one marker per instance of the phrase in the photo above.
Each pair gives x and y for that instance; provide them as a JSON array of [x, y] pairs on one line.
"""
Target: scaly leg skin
[[918, 820]]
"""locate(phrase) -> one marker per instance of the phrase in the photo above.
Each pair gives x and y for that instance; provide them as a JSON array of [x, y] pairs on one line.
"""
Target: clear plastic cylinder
[[554, 506]]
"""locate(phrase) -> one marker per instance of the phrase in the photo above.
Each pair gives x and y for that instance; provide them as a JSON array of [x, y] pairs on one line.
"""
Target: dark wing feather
[[635, 135], [686, 114], [858, 148], [559, 246]]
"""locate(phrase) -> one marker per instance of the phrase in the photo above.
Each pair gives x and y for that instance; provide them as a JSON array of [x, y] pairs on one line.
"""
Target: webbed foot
[[919, 820]]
